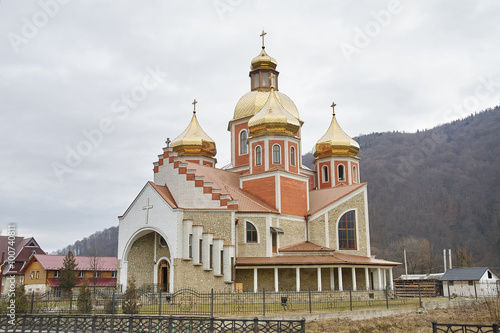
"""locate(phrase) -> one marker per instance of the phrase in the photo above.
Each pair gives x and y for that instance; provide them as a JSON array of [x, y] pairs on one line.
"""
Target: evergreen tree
[[130, 303], [84, 302], [68, 278]]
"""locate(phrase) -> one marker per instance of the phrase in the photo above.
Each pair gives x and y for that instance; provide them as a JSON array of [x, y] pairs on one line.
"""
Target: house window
[[113, 274], [341, 172], [57, 274], [251, 233], [97, 274], [211, 256], [325, 173], [347, 231], [471, 283], [243, 142], [32, 275], [201, 251], [222, 262], [57, 292], [258, 155], [276, 154], [190, 241], [292, 156], [81, 274], [489, 275], [37, 275], [354, 174]]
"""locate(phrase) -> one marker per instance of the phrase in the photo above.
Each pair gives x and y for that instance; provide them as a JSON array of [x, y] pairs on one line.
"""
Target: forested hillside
[[430, 190], [101, 243]]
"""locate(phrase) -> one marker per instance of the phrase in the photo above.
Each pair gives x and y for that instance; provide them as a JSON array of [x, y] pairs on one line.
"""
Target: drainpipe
[[307, 226]]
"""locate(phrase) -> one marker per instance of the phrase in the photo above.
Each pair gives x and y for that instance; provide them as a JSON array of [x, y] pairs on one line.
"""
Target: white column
[[384, 275], [367, 279], [353, 273], [332, 279], [297, 278], [276, 287], [391, 280], [379, 275], [255, 280], [339, 271], [319, 278]]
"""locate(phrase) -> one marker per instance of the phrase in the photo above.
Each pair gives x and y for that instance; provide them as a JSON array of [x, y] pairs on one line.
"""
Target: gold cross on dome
[[194, 105], [262, 35], [333, 107]]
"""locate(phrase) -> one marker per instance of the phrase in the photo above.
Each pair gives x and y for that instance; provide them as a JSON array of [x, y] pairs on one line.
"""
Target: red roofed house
[[41, 272], [21, 249], [264, 220]]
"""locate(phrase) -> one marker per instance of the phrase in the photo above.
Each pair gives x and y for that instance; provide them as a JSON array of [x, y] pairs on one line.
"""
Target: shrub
[[130, 303], [84, 302]]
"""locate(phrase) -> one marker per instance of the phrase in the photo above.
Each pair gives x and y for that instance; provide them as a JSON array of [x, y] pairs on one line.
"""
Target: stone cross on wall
[[147, 208]]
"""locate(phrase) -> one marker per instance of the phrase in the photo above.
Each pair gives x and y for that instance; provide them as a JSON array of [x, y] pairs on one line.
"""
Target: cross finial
[[333, 107], [168, 142], [194, 105], [271, 80], [262, 35]]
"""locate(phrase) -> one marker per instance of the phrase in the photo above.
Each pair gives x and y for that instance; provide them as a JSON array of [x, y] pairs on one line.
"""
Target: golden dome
[[335, 142], [194, 141], [254, 101], [273, 118], [263, 61]]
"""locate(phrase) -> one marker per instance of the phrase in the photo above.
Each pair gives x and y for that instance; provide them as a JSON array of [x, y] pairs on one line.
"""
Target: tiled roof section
[[22, 252], [464, 274], [165, 193], [319, 199], [305, 247], [229, 183], [99, 282], [311, 259], [52, 262]]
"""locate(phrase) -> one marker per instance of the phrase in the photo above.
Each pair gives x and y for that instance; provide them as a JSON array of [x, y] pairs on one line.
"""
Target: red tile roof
[[306, 247], [165, 193], [99, 282], [319, 199], [52, 262]]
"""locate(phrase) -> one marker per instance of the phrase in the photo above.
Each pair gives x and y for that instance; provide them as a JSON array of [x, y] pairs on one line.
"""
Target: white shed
[[470, 282]]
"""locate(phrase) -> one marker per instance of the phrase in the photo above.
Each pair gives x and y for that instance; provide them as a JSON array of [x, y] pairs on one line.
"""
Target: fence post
[[113, 303], [303, 325], [170, 324], [32, 300], [212, 304], [449, 296], [211, 324], [159, 304], [475, 289], [419, 296], [495, 328], [93, 322], [58, 323], [386, 298], [256, 325], [310, 305], [41, 324], [264, 301], [434, 327], [131, 324], [350, 299]]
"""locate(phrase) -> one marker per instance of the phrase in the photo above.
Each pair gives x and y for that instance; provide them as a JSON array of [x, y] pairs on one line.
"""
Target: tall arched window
[[292, 156], [243, 142], [341, 172], [354, 174], [347, 231], [325, 173], [276, 154], [251, 233], [258, 155]]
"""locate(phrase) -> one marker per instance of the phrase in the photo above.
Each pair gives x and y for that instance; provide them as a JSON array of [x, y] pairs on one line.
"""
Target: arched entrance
[[163, 276]]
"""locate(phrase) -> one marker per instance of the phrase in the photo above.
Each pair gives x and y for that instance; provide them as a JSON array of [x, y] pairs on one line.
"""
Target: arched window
[[354, 174], [276, 154], [243, 142], [258, 155], [325, 173], [347, 231], [251, 233], [292, 156], [341, 172]]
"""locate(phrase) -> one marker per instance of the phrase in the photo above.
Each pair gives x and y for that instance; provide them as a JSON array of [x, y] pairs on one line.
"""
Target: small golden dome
[[263, 61], [194, 141], [335, 142], [273, 119]]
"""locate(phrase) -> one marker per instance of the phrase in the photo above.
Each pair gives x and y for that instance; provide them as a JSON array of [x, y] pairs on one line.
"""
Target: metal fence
[[122, 323], [191, 302], [456, 328]]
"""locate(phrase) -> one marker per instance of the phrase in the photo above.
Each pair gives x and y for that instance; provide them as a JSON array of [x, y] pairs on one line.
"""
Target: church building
[[264, 220]]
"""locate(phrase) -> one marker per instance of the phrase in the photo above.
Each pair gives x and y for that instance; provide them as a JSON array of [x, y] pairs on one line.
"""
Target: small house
[[42, 272], [470, 282]]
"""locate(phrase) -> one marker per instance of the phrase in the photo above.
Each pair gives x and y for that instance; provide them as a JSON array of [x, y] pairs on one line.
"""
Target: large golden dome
[[273, 118], [194, 141], [252, 102], [335, 142]]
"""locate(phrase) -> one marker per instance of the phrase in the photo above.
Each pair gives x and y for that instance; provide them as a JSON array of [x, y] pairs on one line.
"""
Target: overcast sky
[[90, 90]]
